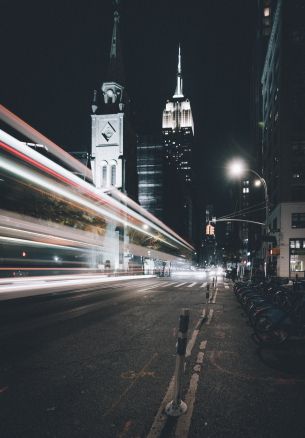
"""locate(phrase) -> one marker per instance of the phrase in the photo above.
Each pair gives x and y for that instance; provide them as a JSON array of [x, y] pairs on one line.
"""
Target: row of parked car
[[276, 309]]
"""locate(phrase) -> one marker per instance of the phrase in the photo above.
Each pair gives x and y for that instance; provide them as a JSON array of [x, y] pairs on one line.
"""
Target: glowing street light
[[237, 168]]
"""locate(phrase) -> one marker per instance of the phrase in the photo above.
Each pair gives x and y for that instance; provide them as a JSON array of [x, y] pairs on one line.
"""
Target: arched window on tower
[[104, 175], [113, 175]]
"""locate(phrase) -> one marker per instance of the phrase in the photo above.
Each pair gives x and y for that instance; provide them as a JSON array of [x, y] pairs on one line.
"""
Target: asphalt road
[[99, 362]]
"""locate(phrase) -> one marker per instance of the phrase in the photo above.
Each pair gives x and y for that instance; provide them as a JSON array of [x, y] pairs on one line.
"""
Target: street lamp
[[237, 168]]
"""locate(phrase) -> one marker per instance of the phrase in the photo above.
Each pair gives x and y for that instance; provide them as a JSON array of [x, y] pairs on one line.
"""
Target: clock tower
[[113, 145]]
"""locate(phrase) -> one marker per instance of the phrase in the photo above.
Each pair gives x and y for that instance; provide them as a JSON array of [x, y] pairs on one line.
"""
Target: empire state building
[[178, 138]]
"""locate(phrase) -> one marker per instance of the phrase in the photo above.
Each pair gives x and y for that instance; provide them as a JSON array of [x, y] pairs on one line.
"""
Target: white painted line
[[161, 417], [153, 286], [204, 284], [184, 422], [200, 357], [227, 286], [180, 284], [203, 345], [210, 316], [191, 342], [156, 285], [215, 295], [192, 284]]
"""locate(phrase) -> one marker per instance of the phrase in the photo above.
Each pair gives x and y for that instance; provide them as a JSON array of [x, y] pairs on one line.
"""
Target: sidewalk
[[246, 391], [233, 388]]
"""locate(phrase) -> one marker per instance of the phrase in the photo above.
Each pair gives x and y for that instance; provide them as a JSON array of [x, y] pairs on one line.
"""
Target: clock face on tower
[[108, 131]]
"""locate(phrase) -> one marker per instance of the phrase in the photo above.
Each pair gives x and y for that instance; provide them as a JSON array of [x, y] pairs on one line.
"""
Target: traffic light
[[210, 230]]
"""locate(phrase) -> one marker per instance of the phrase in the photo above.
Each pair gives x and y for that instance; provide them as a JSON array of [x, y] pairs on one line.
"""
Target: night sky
[[55, 53]]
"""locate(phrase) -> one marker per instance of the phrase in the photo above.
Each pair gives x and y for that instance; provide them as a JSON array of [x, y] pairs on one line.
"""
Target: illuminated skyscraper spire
[[179, 87]]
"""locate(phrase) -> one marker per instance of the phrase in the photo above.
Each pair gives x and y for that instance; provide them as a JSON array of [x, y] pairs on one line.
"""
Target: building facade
[[150, 164], [283, 136], [178, 139]]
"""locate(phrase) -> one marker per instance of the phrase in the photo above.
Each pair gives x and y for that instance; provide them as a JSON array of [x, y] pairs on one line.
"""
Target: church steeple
[[179, 86], [116, 70], [113, 87]]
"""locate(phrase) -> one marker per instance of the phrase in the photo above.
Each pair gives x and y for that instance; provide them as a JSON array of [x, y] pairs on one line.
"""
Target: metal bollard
[[178, 407]]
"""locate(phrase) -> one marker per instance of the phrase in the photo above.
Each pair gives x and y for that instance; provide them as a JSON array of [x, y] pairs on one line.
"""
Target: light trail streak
[[58, 172], [57, 284], [31, 234], [56, 188], [35, 243], [27, 130], [148, 215]]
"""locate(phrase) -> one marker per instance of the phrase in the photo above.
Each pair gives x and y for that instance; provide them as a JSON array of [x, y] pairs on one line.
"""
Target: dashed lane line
[[227, 286], [204, 284]]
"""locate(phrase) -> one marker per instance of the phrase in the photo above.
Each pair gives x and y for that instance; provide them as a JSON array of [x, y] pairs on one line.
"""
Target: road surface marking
[[203, 345], [210, 316], [227, 286], [171, 283], [192, 284], [192, 341], [184, 422], [215, 295], [161, 417], [154, 286], [180, 284], [204, 284]]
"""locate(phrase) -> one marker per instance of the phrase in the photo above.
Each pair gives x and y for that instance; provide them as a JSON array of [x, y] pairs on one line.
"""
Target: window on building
[[113, 175], [245, 189], [298, 220], [104, 176]]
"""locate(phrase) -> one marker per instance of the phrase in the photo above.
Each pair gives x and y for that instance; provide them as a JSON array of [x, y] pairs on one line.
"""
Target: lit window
[[246, 190], [266, 12]]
